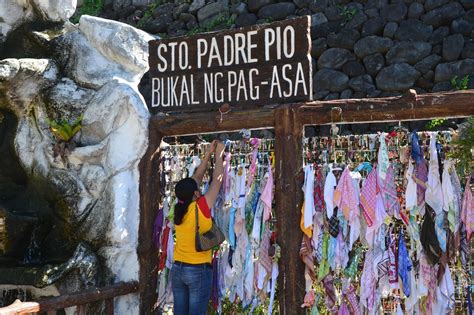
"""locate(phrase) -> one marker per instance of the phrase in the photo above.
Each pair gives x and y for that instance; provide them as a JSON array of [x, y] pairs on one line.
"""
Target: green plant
[[347, 14], [90, 7], [63, 130], [149, 12], [221, 20], [268, 20], [432, 124], [460, 83], [463, 147]]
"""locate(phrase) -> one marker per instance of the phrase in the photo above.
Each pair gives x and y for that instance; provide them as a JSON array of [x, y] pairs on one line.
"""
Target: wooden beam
[[149, 203], [289, 199], [410, 106], [209, 122]]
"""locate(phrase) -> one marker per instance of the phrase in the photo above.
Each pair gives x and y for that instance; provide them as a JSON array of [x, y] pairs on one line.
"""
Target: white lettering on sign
[[260, 65]]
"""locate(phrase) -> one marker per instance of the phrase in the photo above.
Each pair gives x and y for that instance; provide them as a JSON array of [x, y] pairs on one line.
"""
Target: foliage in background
[[432, 124], [148, 14], [460, 83], [221, 20], [63, 130], [347, 14], [463, 147], [230, 308], [90, 7]]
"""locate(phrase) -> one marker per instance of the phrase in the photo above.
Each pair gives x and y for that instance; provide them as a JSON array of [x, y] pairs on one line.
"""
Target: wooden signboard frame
[[288, 120]]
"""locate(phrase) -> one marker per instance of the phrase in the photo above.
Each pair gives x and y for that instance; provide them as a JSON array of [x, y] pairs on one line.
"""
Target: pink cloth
[[267, 196], [467, 212], [345, 196], [389, 193], [368, 197]]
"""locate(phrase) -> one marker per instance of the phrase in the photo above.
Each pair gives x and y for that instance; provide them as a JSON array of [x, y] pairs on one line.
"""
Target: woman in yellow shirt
[[191, 275]]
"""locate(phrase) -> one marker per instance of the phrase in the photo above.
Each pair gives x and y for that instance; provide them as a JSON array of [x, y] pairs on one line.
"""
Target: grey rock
[[333, 13], [353, 69], [462, 26], [346, 94], [196, 5], [452, 47], [468, 4], [442, 86], [362, 83], [371, 13], [332, 96], [469, 16], [320, 94], [397, 77], [325, 29], [163, 9], [438, 35], [357, 21], [335, 58], [415, 10], [468, 51], [123, 13], [331, 80], [212, 9], [429, 75], [414, 30], [182, 8], [373, 26], [346, 38], [437, 49], [394, 12], [176, 26], [446, 71], [389, 94], [372, 44], [187, 17], [443, 15], [158, 25], [359, 95], [409, 52], [120, 4], [425, 83], [192, 25], [318, 19], [246, 19], [432, 4], [318, 46], [374, 63], [302, 3], [277, 11], [303, 12], [318, 5], [390, 29], [374, 93], [427, 64], [255, 5], [239, 8]]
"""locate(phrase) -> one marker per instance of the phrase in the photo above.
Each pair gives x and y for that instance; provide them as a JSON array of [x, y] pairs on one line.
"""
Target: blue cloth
[[191, 289], [364, 166], [231, 227], [416, 152], [404, 265]]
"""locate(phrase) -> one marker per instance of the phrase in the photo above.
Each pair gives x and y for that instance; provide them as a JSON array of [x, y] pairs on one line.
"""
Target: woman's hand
[[220, 147], [213, 146]]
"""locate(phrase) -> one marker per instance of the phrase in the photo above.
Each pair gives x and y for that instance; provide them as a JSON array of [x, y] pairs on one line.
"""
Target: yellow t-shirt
[[185, 248]]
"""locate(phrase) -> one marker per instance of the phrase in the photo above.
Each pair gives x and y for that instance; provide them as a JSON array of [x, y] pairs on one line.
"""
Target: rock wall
[[369, 48]]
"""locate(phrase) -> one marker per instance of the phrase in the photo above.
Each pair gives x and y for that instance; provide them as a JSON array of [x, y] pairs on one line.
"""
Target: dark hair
[[184, 191]]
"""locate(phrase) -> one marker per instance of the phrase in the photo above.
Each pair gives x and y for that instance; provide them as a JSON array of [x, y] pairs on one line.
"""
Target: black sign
[[251, 66]]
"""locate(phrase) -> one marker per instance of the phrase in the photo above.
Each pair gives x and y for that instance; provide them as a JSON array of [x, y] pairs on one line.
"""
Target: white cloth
[[272, 292], [308, 189], [448, 191], [380, 216], [329, 187], [194, 164], [241, 189], [444, 301], [382, 158], [410, 191], [354, 222], [434, 191]]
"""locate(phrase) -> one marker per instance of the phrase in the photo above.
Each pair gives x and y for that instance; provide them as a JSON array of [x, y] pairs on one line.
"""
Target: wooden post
[[289, 199], [149, 203], [109, 306]]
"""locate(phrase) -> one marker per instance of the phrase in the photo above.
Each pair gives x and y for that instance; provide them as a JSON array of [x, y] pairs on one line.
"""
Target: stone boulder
[[373, 63], [277, 11], [397, 77], [407, 51], [452, 47], [394, 12], [373, 26], [363, 83], [212, 9], [255, 5], [330, 80], [427, 63], [444, 14], [346, 38], [446, 71], [335, 58], [371, 45], [413, 30]]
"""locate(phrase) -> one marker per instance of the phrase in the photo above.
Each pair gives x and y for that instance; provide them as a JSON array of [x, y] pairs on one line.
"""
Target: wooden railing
[[79, 299]]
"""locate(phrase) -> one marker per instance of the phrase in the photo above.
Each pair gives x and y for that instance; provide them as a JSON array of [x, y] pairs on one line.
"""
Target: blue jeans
[[191, 288]]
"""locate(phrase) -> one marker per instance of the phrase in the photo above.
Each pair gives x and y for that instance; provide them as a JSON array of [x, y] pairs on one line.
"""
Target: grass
[[219, 20], [90, 7], [460, 83]]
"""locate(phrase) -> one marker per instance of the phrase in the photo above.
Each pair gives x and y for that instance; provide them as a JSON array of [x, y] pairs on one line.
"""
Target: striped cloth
[[368, 197], [389, 194], [345, 197], [467, 212]]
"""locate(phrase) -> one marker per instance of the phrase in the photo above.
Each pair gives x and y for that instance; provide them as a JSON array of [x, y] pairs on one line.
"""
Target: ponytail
[[184, 191]]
